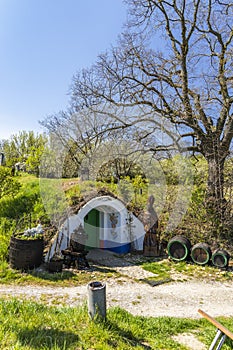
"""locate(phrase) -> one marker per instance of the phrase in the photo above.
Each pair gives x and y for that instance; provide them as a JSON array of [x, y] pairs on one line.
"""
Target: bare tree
[[173, 62], [76, 134]]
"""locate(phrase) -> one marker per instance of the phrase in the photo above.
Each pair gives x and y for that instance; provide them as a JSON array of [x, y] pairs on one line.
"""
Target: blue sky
[[42, 44]]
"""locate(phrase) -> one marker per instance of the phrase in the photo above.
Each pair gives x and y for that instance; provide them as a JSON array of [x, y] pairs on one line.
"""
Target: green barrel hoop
[[220, 258], [201, 253], [179, 248]]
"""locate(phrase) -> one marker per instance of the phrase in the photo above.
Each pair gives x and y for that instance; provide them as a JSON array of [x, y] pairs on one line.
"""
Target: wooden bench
[[222, 332]]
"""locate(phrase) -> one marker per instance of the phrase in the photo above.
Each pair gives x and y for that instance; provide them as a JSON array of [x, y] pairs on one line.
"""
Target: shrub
[[7, 227], [9, 186]]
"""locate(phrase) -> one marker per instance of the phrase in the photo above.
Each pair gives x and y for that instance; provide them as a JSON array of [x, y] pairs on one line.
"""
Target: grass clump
[[160, 269]]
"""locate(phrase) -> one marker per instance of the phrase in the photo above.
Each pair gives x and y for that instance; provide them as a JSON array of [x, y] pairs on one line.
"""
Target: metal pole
[[214, 342], [97, 299], [220, 344]]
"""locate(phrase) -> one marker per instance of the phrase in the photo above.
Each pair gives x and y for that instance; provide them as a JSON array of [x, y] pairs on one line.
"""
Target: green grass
[[66, 278], [29, 325], [161, 270], [168, 269], [25, 178]]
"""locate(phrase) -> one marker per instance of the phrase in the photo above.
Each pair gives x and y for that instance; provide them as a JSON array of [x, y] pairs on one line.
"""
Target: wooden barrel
[[201, 253], [25, 254], [179, 248], [220, 258]]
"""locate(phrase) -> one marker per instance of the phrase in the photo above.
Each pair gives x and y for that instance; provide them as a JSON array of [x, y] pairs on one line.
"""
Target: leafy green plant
[[9, 186], [26, 237], [26, 147], [7, 227]]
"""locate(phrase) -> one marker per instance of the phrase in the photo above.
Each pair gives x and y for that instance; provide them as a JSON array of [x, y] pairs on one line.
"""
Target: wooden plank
[[216, 324]]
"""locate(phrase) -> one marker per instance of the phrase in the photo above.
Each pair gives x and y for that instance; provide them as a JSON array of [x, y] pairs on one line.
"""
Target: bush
[[7, 227], [9, 186]]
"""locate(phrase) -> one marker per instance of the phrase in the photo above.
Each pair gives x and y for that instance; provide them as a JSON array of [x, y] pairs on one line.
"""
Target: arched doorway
[[105, 221]]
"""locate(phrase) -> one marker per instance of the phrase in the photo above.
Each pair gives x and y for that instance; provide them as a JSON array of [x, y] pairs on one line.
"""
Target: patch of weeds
[[161, 270], [120, 281], [59, 300], [45, 298]]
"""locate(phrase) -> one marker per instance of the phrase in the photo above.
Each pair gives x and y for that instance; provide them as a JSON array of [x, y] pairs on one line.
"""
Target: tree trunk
[[215, 186], [215, 154]]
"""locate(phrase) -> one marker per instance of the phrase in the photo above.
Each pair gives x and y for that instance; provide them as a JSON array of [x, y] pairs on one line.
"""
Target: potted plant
[[26, 249]]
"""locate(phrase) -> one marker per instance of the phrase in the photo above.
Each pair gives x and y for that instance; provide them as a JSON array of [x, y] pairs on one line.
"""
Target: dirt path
[[179, 299]]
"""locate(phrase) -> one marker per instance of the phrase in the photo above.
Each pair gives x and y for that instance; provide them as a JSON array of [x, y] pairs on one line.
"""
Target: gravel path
[[179, 299]]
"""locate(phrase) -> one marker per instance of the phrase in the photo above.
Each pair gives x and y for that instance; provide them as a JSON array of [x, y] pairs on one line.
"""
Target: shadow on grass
[[66, 274], [47, 338], [127, 336], [53, 277], [102, 269]]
